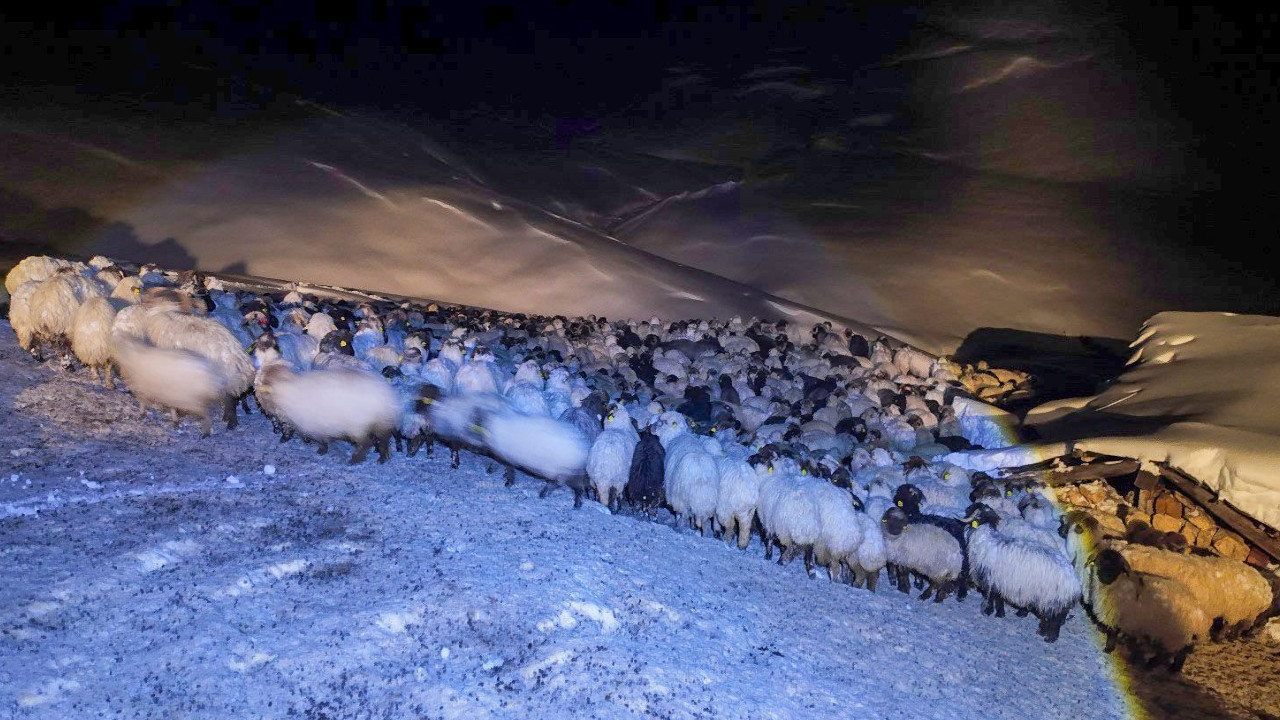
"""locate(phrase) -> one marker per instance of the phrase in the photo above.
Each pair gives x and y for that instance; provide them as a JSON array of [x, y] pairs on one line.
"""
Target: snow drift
[[1203, 395]]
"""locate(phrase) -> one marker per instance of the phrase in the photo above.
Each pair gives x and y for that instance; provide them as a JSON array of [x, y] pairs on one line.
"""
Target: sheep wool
[[1025, 574], [543, 446], [328, 405], [177, 380], [1149, 609], [91, 336], [37, 268], [609, 462], [1224, 588], [738, 496]]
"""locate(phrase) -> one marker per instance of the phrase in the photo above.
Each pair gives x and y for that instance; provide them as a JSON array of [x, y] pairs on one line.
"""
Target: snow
[[407, 590], [1202, 395]]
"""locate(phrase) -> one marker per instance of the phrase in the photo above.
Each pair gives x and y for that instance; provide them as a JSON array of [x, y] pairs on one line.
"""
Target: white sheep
[[20, 314], [177, 380], [173, 330], [692, 486], [52, 306], [788, 512], [91, 336], [609, 462], [1232, 594], [36, 268], [329, 405], [543, 446], [1021, 572], [738, 496], [1149, 611], [841, 534]]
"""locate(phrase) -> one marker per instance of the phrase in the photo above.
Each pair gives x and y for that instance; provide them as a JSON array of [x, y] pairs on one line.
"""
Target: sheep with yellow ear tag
[[609, 462]]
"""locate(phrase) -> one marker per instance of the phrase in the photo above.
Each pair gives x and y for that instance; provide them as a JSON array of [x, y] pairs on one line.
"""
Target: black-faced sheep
[[1153, 614]]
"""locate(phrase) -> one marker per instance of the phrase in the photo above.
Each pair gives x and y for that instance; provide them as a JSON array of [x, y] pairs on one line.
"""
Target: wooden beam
[[1252, 531], [1076, 474]]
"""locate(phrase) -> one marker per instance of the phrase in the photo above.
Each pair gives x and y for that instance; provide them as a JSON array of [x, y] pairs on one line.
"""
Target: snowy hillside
[[153, 572], [1202, 396]]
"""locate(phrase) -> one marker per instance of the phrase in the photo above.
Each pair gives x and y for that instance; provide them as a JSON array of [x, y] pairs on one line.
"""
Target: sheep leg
[[808, 561], [108, 378], [928, 591], [415, 442], [455, 458], [744, 533], [872, 578], [768, 546], [918, 580], [206, 425], [399, 442], [244, 403], [93, 373], [988, 603], [904, 580], [229, 413], [175, 418], [788, 554], [431, 445], [577, 497], [1111, 642], [1022, 612], [944, 591], [546, 489], [1180, 659], [962, 589], [701, 526], [835, 572], [286, 433], [1053, 626], [362, 450], [324, 447], [999, 603], [509, 476], [383, 444], [611, 499], [489, 468]]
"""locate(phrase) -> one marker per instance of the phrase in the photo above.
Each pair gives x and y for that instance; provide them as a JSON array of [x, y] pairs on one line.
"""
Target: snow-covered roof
[[1203, 395]]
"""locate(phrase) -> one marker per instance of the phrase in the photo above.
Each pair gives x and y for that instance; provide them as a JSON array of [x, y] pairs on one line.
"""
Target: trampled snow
[[1203, 394], [406, 589]]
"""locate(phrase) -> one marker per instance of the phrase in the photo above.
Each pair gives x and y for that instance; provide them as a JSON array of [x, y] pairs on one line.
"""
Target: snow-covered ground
[[150, 573]]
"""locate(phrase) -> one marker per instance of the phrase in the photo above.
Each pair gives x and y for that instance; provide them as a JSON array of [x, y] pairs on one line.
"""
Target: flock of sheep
[[827, 444]]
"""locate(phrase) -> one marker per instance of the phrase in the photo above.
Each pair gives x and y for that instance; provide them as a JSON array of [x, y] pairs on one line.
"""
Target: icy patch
[[560, 657], [284, 569], [604, 616], [166, 555], [250, 661], [50, 691], [397, 622]]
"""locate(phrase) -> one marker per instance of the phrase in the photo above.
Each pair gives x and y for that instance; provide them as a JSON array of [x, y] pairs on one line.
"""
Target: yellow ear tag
[[609, 419], [1008, 493], [343, 343], [478, 430], [137, 291], [899, 503], [974, 523], [770, 469], [946, 475], [427, 401], [713, 431], [804, 471]]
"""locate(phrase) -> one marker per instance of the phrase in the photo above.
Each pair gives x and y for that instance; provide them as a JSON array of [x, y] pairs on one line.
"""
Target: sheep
[[1232, 594], [789, 515], [1147, 610], [647, 475], [180, 381], [737, 498], [91, 337], [328, 405], [174, 330], [692, 487], [551, 449], [921, 548], [415, 422], [453, 417], [609, 461], [53, 303], [36, 268], [1024, 573], [20, 314], [840, 534]]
